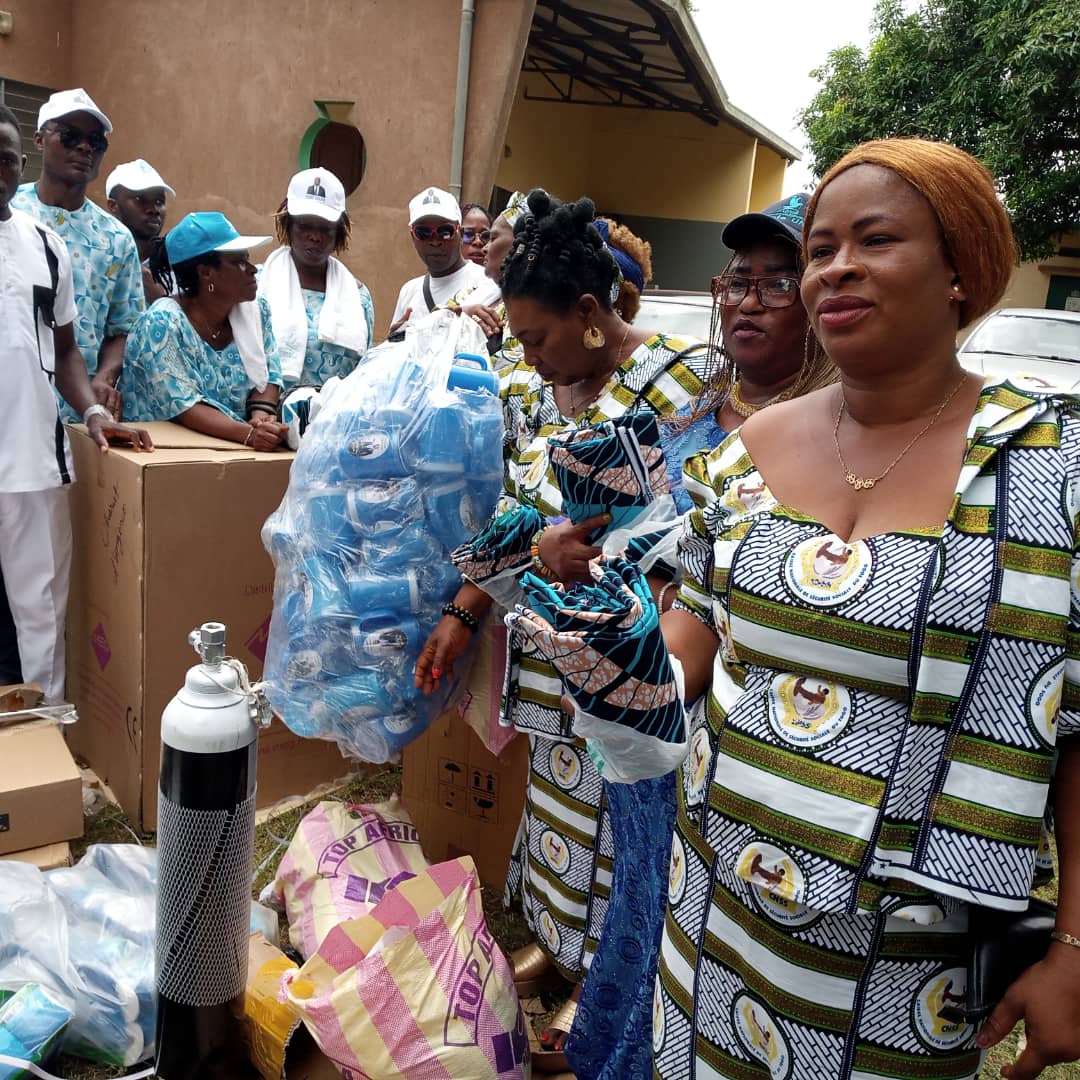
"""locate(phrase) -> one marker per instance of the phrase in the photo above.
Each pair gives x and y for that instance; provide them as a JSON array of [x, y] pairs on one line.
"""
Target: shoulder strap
[[50, 258], [428, 298]]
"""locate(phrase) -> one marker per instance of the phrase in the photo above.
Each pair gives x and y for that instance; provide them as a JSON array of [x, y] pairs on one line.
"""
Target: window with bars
[[24, 100]]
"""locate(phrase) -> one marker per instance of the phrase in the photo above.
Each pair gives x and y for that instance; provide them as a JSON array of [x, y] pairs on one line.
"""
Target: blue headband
[[627, 266]]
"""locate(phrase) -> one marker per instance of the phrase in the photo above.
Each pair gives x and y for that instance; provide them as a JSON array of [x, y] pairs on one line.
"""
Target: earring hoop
[[593, 338], [209, 286]]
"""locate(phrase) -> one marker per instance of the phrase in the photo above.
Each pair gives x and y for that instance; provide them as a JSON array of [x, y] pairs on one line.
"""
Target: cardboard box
[[40, 787], [280, 1047], [462, 798], [164, 542], [49, 857]]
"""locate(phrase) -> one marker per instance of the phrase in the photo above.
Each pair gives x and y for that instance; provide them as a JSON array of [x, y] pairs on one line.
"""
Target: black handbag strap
[[428, 298]]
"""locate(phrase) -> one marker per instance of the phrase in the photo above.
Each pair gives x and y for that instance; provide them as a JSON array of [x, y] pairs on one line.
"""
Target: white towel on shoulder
[[247, 327], [342, 321]]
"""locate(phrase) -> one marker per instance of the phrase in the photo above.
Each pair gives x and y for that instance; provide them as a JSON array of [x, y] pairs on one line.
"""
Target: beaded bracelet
[[463, 615], [538, 563]]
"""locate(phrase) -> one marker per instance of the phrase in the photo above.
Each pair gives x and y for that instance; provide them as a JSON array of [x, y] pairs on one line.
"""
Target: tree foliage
[[999, 78]]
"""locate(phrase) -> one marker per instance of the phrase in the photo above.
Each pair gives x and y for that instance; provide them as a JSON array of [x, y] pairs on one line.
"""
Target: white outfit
[[443, 289], [35, 458]]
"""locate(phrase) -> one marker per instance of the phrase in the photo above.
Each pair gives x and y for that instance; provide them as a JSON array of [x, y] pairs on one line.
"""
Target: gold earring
[[593, 338]]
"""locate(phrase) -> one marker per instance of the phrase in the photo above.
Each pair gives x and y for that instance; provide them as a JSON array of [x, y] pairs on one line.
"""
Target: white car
[[1029, 341], [680, 314]]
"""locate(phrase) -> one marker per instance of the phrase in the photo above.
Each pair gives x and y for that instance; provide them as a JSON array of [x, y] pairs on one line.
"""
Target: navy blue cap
[[784, 219]]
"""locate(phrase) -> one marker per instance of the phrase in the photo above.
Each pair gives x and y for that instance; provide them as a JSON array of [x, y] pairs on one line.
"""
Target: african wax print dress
[[875, 755], [323, 359], [561, 867]]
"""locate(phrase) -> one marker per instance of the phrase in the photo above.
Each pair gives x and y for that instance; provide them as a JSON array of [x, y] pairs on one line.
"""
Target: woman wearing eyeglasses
[[323, 317], [208, 359], [762, 351], [475, 232]]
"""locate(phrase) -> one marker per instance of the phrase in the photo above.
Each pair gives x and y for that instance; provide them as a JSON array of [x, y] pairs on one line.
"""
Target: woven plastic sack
[[339, 865], [416, 988]]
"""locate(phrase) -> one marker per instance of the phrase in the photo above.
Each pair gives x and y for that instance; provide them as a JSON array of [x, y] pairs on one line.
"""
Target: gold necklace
[[576, 408], [864, 483], [746, 408]]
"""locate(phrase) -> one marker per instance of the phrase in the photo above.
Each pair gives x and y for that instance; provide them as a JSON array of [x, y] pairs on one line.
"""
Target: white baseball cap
[[316, 192], [434, 202], [137, 175], [66, 102]]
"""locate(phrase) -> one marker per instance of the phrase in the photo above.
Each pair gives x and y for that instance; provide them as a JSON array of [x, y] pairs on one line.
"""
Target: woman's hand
[[109, 396], [447, 642], [564, 551], [1047, 998], [267, 433], [486, 317]]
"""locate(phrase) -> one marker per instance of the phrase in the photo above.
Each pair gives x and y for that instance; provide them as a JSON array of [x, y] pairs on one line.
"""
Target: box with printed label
[[164, 542]]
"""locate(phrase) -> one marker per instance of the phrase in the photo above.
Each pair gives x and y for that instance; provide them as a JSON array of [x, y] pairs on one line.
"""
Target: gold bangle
[[1065, 939], [538, 563], [250, 435]]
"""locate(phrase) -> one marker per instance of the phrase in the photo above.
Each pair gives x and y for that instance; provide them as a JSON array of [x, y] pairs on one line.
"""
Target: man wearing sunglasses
[[435, 225], [72, 137]]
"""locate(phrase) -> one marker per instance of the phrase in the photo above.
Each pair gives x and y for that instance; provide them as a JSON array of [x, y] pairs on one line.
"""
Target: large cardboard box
[[462, 798], [40, 787], [163, 543]]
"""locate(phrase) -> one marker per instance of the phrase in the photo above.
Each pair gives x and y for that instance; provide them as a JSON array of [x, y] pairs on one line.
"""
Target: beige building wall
[[218, 96], [1031, 280], [768, 181], [634, 161]]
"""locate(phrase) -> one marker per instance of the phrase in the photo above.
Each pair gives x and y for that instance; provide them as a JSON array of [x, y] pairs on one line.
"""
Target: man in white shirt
[[435, 225], [37, 349], [135, 194]]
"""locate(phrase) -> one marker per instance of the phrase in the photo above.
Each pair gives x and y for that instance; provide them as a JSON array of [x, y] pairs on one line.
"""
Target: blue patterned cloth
[[703, 434], [168, 367], [323, 360], [612, 1034], [104, 267]]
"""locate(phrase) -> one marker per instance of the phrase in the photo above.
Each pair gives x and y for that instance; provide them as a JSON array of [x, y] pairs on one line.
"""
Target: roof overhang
[[632, 54]]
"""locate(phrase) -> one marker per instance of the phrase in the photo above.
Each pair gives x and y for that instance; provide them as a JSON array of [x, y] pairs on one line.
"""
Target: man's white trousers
[[35, 555]]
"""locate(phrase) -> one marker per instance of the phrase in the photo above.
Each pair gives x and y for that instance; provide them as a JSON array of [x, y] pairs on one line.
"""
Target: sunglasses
[[435, 232], [70, 137], [772, 292], [469, 235]]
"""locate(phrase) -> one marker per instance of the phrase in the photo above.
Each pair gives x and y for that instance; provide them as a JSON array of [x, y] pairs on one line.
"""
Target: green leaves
[[999, 78]]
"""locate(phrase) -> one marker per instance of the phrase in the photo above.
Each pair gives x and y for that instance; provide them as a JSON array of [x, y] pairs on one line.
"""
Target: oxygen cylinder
[[206, 832]]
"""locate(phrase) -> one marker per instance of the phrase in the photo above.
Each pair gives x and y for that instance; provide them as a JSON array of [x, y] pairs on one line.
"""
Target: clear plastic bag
[[400, 465], [85, 934]]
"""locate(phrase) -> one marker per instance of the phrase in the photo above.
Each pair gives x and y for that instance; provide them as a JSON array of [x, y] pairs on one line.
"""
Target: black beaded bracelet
[[462, 615], [262, 406]]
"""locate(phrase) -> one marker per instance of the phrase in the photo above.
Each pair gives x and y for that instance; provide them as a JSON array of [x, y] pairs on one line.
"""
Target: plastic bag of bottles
[[85, 936], [399, 467]]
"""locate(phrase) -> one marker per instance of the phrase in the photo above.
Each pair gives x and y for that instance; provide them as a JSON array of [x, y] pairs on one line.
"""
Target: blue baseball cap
[[784, 219], [198, 233]]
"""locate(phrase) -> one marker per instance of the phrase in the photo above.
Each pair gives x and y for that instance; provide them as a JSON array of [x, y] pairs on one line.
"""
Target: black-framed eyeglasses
[[773, 291], [469, 235], [70, 137], [435, 232]]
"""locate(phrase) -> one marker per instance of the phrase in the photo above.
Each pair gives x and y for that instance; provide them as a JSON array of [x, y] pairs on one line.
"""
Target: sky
[[763, 53]]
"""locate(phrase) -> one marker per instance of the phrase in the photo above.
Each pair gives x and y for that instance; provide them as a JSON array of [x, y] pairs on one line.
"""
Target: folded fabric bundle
[[605, 642], [503, 546], [615, 467]]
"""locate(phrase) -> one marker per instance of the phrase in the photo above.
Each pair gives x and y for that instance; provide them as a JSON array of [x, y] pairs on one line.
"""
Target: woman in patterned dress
[[888, 634], [206, 359], [323, 317]]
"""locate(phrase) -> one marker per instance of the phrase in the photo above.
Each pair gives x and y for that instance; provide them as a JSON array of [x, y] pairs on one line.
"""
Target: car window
[[1018, 335], [679, 320]]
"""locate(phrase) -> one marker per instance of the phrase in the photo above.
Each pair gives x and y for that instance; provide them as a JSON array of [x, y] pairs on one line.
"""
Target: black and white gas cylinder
[[206, 829]]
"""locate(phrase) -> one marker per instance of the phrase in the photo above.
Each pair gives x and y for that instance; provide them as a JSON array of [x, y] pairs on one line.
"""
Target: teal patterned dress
[[323, 359], [168, 367], [104, 267]]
